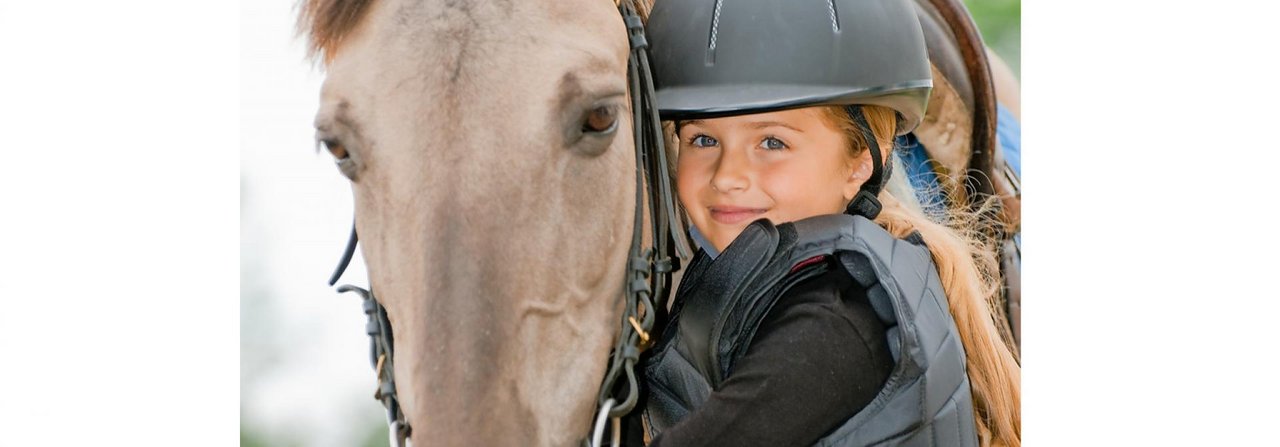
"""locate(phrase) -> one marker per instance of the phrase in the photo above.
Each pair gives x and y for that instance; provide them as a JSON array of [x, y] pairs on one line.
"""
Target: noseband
[[649, 269]]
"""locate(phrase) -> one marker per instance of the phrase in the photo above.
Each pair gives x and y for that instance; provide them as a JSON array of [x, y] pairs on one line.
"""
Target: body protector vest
[[926, 400]]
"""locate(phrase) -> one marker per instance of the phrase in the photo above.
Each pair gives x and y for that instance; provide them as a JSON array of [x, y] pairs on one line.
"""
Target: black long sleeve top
[[819, 357]]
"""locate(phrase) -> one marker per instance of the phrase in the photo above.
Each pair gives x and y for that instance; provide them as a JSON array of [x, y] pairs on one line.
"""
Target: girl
[[820, 309]]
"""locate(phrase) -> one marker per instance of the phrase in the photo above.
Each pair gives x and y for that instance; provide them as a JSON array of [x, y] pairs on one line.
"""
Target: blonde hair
[[969, 271]]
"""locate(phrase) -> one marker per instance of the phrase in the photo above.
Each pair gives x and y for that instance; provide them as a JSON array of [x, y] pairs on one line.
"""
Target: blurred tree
[[1000, 22], [251, 436]]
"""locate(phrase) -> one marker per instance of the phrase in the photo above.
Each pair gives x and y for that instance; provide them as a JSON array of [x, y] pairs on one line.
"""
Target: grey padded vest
[[925, 402]]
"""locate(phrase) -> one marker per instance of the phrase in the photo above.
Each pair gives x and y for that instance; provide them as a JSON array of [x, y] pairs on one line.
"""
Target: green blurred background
[[1001, 24]]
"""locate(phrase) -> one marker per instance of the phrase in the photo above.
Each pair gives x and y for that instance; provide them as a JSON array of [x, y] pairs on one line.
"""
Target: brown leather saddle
[[959, 134]]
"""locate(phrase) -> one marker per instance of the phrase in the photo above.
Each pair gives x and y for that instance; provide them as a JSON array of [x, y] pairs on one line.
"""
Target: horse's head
[[489, 149]]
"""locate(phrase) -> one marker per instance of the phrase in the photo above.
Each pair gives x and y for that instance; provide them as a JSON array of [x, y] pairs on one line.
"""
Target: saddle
[[959, 134]]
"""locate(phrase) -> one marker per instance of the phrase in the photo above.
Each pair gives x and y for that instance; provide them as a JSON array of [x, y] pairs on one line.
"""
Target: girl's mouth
[[731, 214]]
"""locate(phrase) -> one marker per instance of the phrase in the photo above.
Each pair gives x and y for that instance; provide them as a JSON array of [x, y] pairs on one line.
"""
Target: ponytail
[[969, 271]]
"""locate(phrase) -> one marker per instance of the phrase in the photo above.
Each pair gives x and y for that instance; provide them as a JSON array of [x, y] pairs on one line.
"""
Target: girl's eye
[[703, 141], [772, 143]]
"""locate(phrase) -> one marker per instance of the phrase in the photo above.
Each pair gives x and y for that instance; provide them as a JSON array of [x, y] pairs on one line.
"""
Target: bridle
[[648, 277]]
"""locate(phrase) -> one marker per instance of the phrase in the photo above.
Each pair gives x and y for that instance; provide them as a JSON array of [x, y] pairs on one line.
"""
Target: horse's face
[[494, 220]]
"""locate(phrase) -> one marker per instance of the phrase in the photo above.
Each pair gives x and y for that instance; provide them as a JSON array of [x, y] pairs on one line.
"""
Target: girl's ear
[[861, 172]]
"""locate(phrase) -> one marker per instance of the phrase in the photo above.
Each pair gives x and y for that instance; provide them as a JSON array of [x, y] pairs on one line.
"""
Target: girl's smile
[[730, 215]]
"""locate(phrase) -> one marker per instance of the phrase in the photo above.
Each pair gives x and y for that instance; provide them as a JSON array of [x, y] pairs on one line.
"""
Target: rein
[[648, 277]]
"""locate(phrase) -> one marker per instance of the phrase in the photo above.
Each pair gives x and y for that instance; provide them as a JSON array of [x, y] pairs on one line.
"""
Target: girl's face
[[782, 166]]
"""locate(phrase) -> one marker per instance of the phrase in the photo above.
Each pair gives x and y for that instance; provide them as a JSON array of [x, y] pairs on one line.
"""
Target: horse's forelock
[[327, 22]]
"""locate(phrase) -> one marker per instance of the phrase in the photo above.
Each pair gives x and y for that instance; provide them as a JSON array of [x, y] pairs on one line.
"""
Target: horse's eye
[[591, 127], [335, 148], [341, 157], [600, 120]]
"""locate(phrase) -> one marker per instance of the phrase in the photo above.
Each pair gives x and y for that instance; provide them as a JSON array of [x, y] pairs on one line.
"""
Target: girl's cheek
[[686, 184], [689, 167]]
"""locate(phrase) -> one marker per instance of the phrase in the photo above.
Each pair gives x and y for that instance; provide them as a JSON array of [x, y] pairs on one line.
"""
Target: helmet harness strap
[[865, 203]]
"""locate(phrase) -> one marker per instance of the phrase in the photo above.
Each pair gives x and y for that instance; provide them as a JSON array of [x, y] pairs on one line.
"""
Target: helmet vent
[[715, 27], [835, 23]]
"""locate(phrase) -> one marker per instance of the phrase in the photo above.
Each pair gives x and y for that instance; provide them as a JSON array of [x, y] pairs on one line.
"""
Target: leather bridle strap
[[346, 256], [649, 270], [381, 347]]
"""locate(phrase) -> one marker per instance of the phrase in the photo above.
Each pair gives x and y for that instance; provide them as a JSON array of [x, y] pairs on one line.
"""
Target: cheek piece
[[865, 203]]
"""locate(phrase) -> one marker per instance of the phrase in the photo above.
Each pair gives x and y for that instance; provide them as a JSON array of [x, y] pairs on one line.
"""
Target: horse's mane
[[327, 22]]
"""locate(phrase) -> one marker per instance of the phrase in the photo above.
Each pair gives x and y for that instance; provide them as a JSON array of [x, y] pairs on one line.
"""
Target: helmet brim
[[715, 101]]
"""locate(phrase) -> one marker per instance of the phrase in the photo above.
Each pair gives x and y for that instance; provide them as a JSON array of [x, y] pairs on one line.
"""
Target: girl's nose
[[731, 172]]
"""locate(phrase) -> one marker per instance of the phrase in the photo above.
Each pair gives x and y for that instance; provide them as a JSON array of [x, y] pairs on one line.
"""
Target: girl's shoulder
[[830, 296]]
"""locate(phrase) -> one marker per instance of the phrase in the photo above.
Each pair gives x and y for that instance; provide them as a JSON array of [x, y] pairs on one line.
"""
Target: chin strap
[[865, 203]]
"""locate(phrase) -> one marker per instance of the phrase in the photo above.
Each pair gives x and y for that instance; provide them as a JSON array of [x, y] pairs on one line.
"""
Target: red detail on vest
[[806, 263]]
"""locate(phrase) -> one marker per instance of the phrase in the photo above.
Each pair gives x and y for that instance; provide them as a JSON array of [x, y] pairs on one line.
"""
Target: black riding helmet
[[714, 59]]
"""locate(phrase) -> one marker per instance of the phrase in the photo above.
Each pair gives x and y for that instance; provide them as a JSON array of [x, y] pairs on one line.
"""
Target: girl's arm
[[819, 357]]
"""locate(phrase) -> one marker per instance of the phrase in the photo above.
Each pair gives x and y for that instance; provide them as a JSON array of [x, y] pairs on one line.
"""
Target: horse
[[488, 156], [490, 153]]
